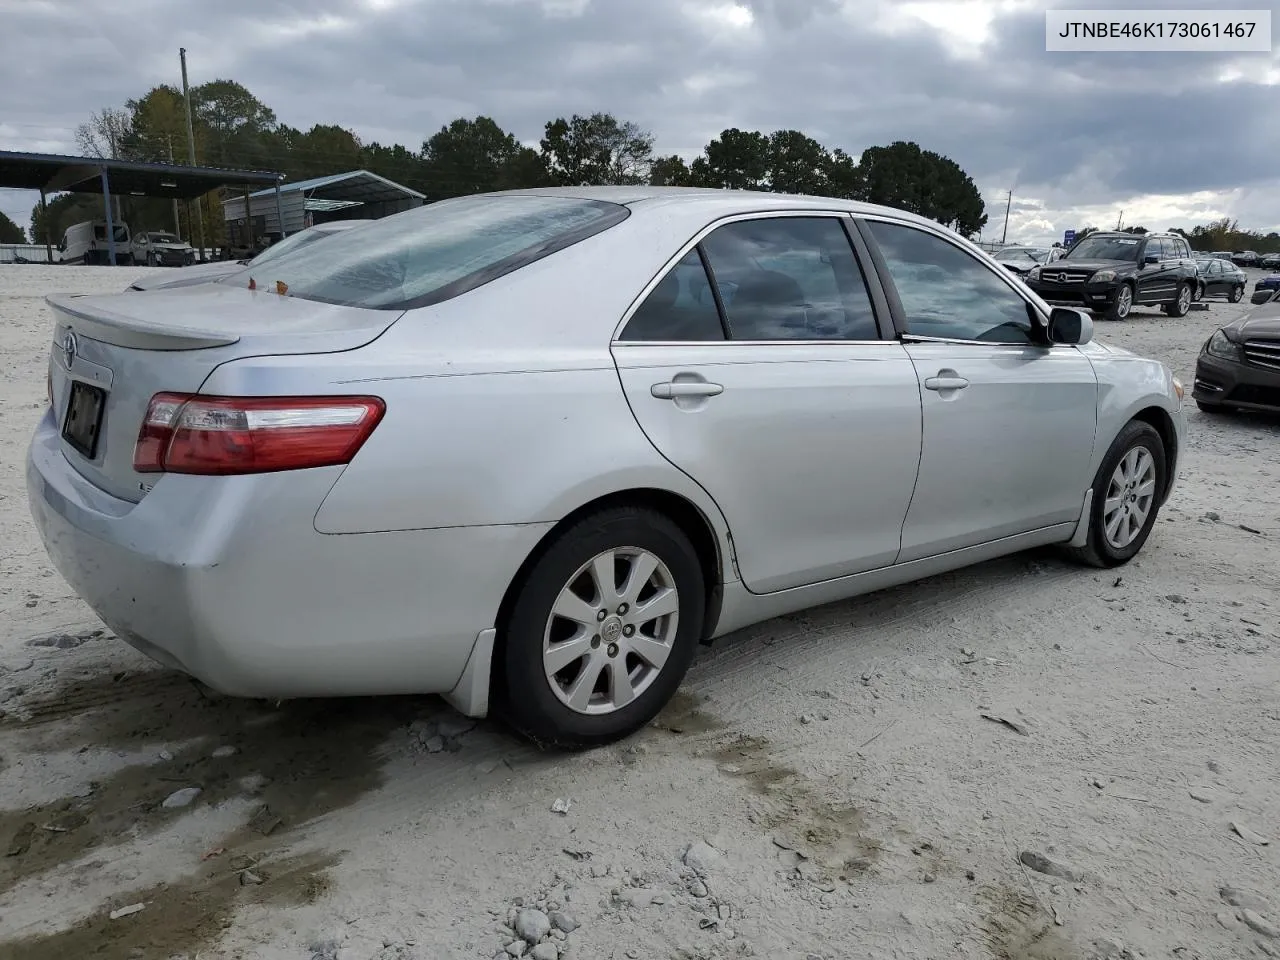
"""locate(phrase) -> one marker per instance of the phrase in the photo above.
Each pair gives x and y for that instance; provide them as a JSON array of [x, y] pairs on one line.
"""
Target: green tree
[[735, 160], [10, 232], [923, 182], [597, 150], [670, 171], [322, 150], [798, 164], [1136, 229], [236, 121], [844, 176], [396, 163], [476, 156]]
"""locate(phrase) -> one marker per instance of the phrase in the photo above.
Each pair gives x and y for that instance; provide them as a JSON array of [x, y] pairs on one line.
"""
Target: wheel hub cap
[[611, 630]]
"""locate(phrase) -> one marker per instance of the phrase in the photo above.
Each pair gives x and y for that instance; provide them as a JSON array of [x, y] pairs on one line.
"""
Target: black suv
[[1110, 273]]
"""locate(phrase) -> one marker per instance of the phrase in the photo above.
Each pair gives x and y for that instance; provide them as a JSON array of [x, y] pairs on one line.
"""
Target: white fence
[[37, 253]]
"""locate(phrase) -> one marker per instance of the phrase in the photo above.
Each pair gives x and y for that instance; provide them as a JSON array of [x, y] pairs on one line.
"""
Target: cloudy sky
[[1169, 139]]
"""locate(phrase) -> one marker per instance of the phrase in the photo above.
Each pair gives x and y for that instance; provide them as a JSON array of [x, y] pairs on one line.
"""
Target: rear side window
[[681, 307], [436, 252], [790, 278]]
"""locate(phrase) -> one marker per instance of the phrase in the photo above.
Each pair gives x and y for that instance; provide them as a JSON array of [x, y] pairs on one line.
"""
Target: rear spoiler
[[125, 330]]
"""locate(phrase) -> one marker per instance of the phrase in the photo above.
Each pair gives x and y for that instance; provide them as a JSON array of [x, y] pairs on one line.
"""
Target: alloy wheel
[[611, 630], [1124, 302], [1130, 494]]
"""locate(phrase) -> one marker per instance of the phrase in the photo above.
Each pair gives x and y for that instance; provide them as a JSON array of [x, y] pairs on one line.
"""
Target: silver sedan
[[528, 450]]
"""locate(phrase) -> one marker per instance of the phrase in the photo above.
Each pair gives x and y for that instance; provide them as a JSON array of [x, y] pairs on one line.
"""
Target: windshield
[[438, 251], [298, 240], [1105, 248], [163, 238]]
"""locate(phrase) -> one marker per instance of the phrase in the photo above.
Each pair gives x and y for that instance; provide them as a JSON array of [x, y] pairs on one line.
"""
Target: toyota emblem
[[69, 348]]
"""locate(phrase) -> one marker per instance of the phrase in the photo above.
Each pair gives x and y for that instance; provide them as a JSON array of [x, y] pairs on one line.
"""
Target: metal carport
[[51, 173]]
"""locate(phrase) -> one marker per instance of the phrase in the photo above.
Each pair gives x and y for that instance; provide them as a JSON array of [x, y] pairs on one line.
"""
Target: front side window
[[790, 278], [1156, 248], [680, 307], [947, 293], [436, 252]]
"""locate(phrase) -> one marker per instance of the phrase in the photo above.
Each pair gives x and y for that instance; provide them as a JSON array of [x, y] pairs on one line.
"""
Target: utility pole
[[191, 144], [1007, 207], [1119, 219], [177, 224]]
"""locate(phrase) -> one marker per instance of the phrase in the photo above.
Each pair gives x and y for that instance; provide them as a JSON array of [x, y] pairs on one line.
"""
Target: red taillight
[[186, 433]]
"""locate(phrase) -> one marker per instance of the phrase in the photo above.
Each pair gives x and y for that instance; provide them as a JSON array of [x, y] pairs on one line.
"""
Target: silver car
[[217, 269], [527, 450]]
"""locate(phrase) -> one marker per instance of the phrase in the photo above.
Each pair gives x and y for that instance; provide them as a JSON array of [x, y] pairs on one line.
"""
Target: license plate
[[84, 417]]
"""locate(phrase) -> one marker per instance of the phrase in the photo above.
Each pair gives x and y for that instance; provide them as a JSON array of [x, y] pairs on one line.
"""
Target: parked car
[[208, 272], [1220, 277], [527, 450], [1239, 365], [1221, 254], [86, 243], [1270, 260], [1020, 260], [1264, 287], [1110, 273], [160, 249], [1244, 258]]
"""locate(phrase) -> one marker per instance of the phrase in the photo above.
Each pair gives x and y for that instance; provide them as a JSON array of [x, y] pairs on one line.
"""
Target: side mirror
[[1151, 258], [1069, 326]]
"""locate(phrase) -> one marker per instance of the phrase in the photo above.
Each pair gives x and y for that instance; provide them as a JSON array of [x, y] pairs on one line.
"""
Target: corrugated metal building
[[358, 194]]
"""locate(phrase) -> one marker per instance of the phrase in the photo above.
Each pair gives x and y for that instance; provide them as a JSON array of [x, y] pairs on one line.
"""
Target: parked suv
[[1110, 273]]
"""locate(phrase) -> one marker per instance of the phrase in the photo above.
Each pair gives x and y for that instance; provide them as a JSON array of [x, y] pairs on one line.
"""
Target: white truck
[[87, 243], [157, 248]]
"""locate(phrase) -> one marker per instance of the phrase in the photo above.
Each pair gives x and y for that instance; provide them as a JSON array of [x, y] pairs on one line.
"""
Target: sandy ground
[[825, 787]]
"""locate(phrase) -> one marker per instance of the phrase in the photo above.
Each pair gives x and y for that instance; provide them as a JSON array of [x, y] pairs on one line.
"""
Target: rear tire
[[1126, 497], [1122, 304], [1181, 306], [568, 627], [1236, 294]]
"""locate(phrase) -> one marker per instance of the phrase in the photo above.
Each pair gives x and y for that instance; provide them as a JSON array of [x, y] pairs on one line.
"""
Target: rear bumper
[[228, 580], [1234, 384]]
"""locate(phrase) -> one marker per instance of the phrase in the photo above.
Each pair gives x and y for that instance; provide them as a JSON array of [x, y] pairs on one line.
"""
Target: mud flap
[[470, 696]]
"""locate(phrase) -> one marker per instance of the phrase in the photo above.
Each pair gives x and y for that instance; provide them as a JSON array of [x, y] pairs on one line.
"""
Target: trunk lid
[[132, 347]]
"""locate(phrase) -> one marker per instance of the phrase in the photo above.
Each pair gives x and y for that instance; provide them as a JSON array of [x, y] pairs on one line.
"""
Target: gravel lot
[[826, 786]]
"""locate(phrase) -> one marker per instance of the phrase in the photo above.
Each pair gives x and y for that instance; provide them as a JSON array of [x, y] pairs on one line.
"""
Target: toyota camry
[[527, 450]]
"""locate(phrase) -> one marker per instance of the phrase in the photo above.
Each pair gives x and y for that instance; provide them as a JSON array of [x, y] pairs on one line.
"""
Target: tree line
[[234, 129]]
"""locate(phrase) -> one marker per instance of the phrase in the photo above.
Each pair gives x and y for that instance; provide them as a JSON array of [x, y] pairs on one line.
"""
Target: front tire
[[1122, 304], [1126, 497], [1182, 305], [602, 630]]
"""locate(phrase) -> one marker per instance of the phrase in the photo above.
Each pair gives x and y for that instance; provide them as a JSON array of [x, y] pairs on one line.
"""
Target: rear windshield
[[282, 247], [435, 252]]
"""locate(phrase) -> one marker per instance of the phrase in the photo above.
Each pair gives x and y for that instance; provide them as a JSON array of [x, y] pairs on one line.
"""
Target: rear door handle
[[675, 389], [945, 383]]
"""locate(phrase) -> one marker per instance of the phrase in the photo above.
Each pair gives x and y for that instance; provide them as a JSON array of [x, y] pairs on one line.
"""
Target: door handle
[[676, 389], [945, 383]]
